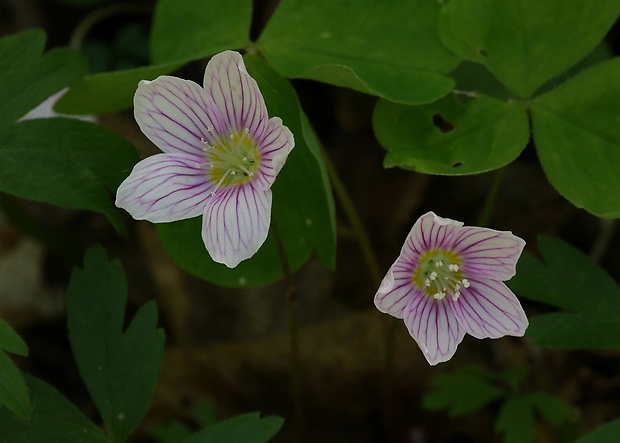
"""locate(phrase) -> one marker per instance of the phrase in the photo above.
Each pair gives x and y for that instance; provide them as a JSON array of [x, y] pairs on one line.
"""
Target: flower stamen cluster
[[439, 274]]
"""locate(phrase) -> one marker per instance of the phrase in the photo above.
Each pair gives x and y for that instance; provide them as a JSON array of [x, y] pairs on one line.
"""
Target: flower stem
[[98, 15], [292, 298], [487, 208], [356, 224]]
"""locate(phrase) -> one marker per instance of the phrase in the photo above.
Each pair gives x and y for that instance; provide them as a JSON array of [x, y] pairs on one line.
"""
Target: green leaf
[[569, 280], [66, 162], [550, 407], [13, 390], [450, 136], [583, 112], [525, 43], [247, 428], [190, 29], [53, 419], [27, 77], [607, 433], [120, 369], [10, 341], [388, 49], [460, 394], [516, 420], [176, 431], [303, 209], [109, 92]]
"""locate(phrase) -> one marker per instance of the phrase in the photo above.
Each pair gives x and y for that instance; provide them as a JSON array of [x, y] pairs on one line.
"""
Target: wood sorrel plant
[[462, 87]]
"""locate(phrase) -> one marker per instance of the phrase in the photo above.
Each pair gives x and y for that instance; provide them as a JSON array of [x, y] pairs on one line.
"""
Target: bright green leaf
[[607, 433], [460, 394], [13, 390], [247, 428], [10, 341], [27, 77], [53, 419], [451, 136], [302, 208], [67, 163], [190, 29], [577, 133], [516, 420], [570, 280], [525, 43], [550, 407], [109, 92], [120, 369], [388, 49]]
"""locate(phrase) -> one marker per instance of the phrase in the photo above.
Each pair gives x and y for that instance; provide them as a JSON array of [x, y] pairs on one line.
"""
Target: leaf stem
[[292, 298], [489, 202]]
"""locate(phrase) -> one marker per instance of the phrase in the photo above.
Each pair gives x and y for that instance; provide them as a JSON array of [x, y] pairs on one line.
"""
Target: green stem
[[489, 202], [356, 224], [98, 15], [292, 299]]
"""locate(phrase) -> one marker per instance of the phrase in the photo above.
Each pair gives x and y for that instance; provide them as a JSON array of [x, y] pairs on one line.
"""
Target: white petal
[[431, 231], [396, 289], [274, 144], [487, 253], [165, 188], [434, 327], [235, 93], [488, 309], [176, 114], [236, 223]]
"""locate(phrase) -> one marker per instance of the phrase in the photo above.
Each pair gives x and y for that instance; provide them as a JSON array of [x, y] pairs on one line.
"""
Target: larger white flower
[[221, 154], [448, 281]]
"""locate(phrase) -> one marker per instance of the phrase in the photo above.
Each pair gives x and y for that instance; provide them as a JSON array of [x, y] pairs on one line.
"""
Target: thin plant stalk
[[489, 202]]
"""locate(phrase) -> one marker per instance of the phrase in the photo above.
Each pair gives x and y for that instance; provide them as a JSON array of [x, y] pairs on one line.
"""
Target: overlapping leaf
[[120, 368], [451, 136], [525, 43], [388, 49], [565, 278], [13, 391], [303, 206]]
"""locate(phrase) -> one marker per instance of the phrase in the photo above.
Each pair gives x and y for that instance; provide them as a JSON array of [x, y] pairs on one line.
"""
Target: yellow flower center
[[438, 274]]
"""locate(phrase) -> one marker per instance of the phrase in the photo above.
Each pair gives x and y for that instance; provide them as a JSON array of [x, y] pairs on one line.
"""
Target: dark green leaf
[[13, 390], [120, 369], [460, 394], [525, 43], [247, 428], [550, 407], [171, 432], [451, 136], [516, 420], [109, 92], [607, 433], [53, 419], [583, 112], [27, 77], [10, 341], [67, 163], [388, 49], [569, 280], [190, 29], [302, 208]]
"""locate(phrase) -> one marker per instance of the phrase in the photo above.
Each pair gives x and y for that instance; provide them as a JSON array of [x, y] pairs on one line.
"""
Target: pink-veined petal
[[275, 144], [176, 114], [487, 253], [164, 188], [488, 309], [396, 289], [235, 93], [236, 224], [434, 327], [429, 232]]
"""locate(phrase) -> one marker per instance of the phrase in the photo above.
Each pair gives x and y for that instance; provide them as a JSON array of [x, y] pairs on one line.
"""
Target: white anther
[[465, 283], [247, 130], [453, 267], [456, 296], [439, 295], [438, 264], [433, 276], [210, 129], [233, 172], [232, 136], [245, 159], [427, 282]]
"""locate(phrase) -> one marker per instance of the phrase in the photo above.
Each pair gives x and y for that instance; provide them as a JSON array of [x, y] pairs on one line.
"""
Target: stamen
[[433, 276], [439, 295], [465, 283], [453, 267], [220, 182], [439, 264]]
